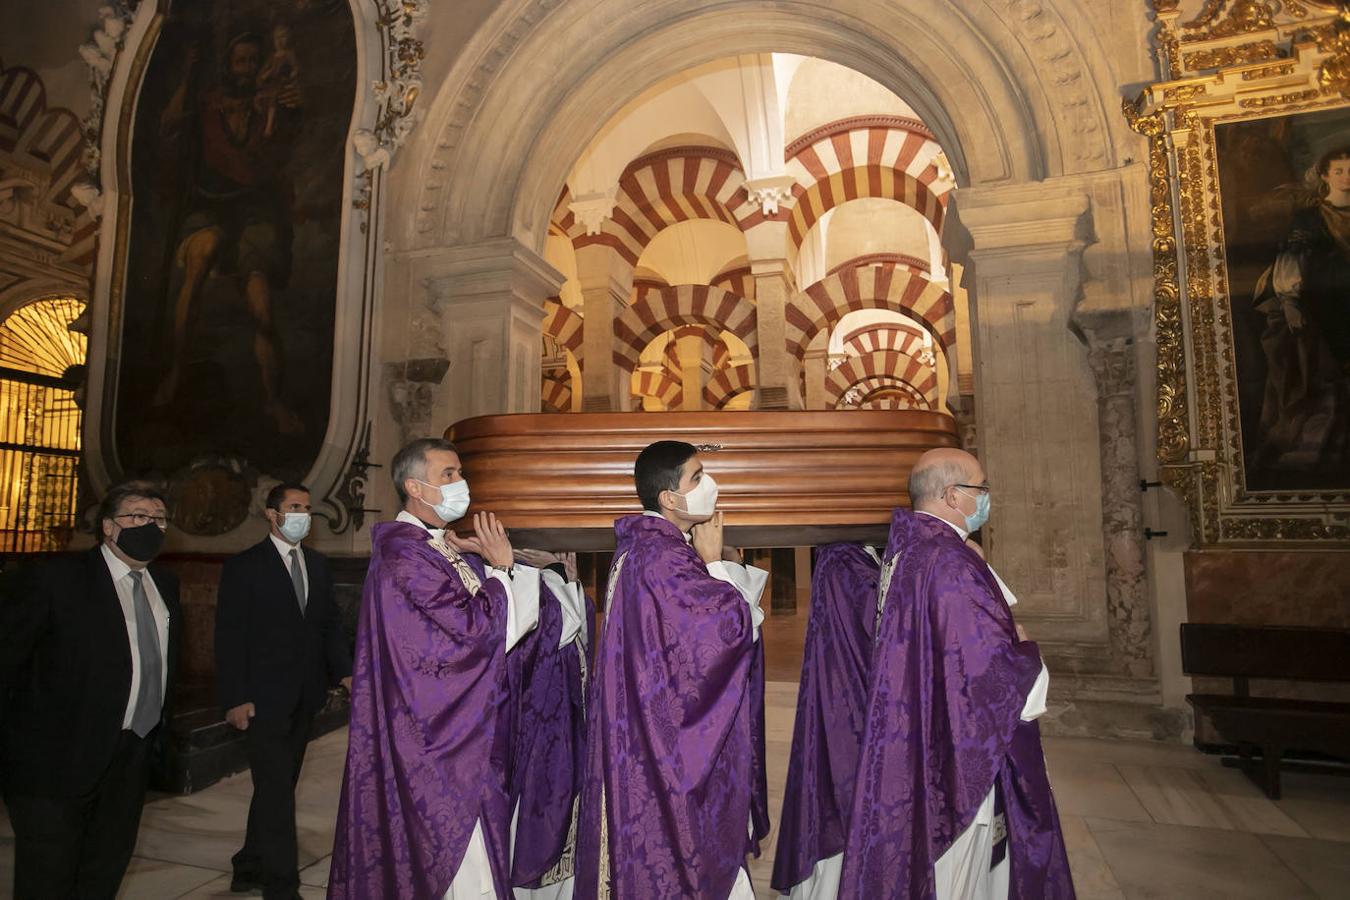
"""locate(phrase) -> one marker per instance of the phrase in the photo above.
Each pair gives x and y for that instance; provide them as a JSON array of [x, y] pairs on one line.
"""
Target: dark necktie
[[298, 579], [150, 694]]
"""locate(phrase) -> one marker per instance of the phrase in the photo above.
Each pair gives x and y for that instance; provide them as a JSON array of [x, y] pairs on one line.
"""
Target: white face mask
[[454, 500], [701, 501], [294, 526]]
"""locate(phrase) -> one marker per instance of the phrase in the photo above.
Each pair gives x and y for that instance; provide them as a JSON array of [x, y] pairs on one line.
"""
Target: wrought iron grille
[[39, 425]]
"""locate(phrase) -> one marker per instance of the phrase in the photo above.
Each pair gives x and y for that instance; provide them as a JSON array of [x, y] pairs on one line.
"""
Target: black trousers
[[79, 847], [275, 754]]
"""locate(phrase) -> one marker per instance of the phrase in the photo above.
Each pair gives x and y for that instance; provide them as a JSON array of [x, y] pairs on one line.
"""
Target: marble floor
[[1141, 821]]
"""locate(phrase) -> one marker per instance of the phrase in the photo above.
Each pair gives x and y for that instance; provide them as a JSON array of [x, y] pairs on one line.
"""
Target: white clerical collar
[[656, 515], [959, 530], [405, 516]]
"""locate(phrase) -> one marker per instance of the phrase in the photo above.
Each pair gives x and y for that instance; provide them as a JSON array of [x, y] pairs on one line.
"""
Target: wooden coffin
[[559, 480]]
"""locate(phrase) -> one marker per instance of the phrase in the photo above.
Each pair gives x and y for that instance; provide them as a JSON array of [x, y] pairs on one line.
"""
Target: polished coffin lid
[[787, 478]]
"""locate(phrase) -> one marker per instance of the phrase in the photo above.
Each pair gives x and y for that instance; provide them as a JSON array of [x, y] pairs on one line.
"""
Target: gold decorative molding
[[1236, 61]]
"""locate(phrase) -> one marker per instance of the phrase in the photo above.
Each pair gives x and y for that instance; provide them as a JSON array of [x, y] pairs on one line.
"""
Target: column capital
[[485, 270], [770, 191], [592, 210], [1041, 220]]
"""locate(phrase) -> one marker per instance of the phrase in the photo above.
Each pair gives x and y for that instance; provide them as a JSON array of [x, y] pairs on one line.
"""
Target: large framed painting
[[239, 250], [1249, 158]]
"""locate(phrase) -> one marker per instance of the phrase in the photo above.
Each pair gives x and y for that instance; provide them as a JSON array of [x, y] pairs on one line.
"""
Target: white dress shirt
[[122, 582], [285, 549]]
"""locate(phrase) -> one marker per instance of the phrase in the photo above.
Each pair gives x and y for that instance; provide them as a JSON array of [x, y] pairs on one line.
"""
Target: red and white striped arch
[[856, 183], [824, 303], [892, 157], [885, 364], [660, 384], [884, 336], [556, 392], [882, 393], [659, 309], [566, 326], [728, 383], [738, 280], [663, 188], [899, 260], [49, 143]]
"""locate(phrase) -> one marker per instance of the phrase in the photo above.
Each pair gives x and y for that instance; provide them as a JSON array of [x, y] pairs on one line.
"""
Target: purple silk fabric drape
[[547, 740], [671, 747], [425, 756], [831, 709], [949, 681]]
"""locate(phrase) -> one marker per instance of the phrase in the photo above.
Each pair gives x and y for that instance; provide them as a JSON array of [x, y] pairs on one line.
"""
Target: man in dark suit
[[279, 645], [88, 644]]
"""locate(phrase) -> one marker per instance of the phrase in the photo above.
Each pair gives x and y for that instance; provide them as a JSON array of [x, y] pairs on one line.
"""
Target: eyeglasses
[[139, 519], [982, 488]]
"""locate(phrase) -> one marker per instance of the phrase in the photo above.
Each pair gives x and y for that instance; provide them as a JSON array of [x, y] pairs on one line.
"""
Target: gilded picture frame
[[1239, 68]]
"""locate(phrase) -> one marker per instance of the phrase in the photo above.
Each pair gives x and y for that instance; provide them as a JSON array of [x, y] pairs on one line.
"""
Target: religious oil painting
[[1285, 190], [237, 161]]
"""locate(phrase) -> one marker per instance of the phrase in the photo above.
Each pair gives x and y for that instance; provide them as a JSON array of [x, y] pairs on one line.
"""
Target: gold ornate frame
[[1237, 60]]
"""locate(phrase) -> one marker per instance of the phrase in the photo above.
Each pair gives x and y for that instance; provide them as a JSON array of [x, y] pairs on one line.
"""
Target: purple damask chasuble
[[547, 744], [949, 681], [831, 709], [426, 749], [671, 751]]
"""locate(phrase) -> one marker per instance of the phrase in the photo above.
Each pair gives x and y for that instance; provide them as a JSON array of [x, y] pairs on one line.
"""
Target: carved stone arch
[[855, 184], [890, 336], [827, 301], [658, 383], [996, 80], [556, 392], [879, 392], [661, 189], [728, 383], [566, 326], [883, 364], [660, 309]]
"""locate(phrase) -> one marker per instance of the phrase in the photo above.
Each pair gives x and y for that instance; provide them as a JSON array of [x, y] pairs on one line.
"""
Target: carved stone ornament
[[1237, 61]]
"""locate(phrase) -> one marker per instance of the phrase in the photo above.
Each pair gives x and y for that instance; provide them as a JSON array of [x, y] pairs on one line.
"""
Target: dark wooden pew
[[1271, 725]]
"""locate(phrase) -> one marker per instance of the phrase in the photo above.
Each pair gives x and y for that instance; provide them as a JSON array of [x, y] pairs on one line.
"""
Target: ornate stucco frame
[[388, 59], [1237, 60]]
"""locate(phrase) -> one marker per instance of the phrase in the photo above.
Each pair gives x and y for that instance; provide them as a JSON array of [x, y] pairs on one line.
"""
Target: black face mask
[[142, 543]]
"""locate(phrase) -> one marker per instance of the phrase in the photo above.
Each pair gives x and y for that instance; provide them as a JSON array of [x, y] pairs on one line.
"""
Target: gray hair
[[927, 484], [411, 462]]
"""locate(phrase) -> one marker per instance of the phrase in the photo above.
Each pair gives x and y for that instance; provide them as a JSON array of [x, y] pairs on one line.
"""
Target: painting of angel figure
[[237, 169], [1285, 190]]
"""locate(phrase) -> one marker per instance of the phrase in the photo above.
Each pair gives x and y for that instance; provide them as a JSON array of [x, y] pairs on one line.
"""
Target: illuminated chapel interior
[[815, 238]]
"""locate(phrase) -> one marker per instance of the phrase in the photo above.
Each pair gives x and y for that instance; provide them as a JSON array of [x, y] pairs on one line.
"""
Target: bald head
[[936, 472]]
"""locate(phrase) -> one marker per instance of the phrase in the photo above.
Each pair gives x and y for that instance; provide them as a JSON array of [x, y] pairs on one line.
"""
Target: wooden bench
[[1271, 725]]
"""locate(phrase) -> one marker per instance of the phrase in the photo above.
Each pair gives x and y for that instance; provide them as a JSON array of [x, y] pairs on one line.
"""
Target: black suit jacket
[[65, 672], [267, 653]]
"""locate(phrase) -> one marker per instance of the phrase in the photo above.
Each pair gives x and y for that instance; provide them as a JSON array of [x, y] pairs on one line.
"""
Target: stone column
[[606, 280], [1113, 367], [817, 365], [489, 304], [777, 374], [695, 351], [1037, 409]]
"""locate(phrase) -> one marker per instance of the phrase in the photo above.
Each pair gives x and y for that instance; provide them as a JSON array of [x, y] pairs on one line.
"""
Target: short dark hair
[[122, 492], [413, 459], [658, 469], [277, 495]]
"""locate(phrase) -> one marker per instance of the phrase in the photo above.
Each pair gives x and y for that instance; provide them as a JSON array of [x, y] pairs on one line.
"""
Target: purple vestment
[[949, 682], [671, 767], [831, 709], [429, 715], [547, 742]]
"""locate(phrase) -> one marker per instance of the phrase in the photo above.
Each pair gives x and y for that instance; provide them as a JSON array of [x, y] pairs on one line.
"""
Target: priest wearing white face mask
[[424, 810], [279, 646]]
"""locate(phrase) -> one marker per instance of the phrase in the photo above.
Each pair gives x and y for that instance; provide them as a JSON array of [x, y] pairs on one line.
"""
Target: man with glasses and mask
[[674, 794], [279, 646], [425, 810], [88, 644], [951, 798]]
